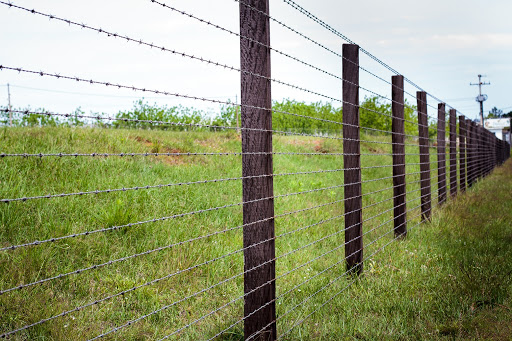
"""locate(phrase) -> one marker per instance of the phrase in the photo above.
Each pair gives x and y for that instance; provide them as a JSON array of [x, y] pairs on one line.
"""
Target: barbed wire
[[198, 125], [112, 228], [179, 184], [240, 274], [262, 264], [273, 280], [132, 154], [178, 53], [181, 271], [411, 200], [322, 23], [345, 273], [339, 292], [172, 275], [308, 280]]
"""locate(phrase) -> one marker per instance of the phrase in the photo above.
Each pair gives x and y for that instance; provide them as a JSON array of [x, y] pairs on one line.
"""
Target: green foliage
[[377, 115], [36, 120], [498, 113], [228, 117], [495, 113], [30, 120], [324, 112], [143, 111], [288, 115]]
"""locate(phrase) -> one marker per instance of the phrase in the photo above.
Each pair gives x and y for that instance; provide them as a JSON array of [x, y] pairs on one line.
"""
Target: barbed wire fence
[[259, 265]]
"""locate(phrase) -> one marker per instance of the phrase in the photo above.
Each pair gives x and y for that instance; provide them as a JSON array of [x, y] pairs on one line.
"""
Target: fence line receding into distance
[[262, 255]]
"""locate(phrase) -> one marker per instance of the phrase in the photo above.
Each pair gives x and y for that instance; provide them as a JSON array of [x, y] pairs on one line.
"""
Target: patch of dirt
[[373, 149], [146, 142], [301, 142], [157, 147], [319, 148]]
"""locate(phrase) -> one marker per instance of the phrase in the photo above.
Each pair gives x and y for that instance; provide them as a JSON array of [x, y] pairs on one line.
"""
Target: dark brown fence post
[[453, 152], [255, 59], [479, 151], [488, 154], [481, 154], [482, 150], [421, 98], [474, 139], [495, 151], [441, 153], [493, 148], [398, 146], [486, 151], [462, 152], [488, 142], [470, 152], [352, 160], [476, 158]]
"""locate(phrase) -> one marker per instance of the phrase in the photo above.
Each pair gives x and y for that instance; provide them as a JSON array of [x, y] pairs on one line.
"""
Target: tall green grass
[[395, 298]]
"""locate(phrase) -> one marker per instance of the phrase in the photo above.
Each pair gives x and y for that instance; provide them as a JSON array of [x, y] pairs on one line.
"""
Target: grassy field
[[448, 279]]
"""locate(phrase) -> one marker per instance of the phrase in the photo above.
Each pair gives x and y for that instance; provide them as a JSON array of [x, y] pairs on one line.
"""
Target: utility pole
[[9, 104], [481, 98]]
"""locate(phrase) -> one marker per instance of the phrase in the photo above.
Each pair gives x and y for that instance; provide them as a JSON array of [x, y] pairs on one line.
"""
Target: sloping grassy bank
[[451, 279], [430, 285]]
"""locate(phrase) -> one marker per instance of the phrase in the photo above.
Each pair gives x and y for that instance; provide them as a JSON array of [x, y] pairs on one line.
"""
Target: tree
[[495, 113]]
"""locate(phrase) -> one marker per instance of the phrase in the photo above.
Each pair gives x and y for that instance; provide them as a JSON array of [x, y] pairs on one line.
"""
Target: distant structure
[[500, 127], [481, 98]]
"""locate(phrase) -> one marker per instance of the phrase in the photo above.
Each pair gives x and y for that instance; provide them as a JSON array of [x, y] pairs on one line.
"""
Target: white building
[[499, 127]]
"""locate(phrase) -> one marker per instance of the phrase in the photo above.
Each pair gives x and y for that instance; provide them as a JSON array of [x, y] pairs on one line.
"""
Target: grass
[[449, 279]]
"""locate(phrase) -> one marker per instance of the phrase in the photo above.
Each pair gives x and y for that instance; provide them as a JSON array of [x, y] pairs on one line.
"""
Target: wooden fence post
[[470, 152], [352, 160], [478, 152], [493, 149], [421, 98], [398, 146], [488, 150], [453, 152], [482, 150], [441, 153], [462, 152], [255, 91], [485, 151]]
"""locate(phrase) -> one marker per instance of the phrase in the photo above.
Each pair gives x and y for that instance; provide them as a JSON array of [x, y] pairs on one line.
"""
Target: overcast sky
[[440, 45]]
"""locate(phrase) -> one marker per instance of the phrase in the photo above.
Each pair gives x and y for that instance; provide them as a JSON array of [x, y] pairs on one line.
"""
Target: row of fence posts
[[479, 153]]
